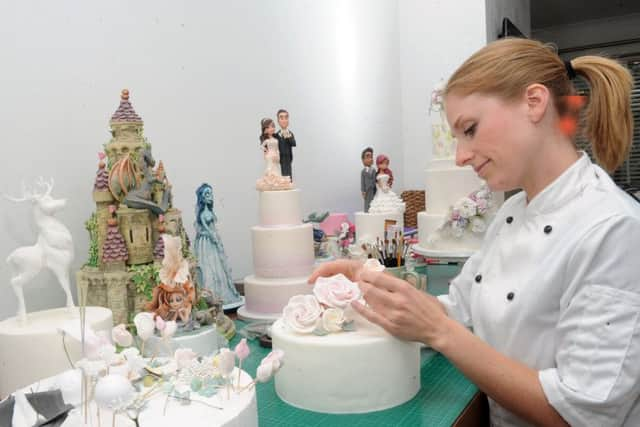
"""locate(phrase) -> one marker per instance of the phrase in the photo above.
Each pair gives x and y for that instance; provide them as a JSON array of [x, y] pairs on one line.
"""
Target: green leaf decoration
[[196, 384], [145, 277], [208, 391], [320, 331], [92, 227], [349, 326]]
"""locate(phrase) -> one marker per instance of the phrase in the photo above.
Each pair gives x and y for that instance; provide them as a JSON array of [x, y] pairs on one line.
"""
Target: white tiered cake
[[335, 361], [459, 206], [283, 256], [386, 206]]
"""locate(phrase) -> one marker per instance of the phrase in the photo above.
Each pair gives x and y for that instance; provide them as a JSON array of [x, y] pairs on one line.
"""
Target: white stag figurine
[[53, 249]]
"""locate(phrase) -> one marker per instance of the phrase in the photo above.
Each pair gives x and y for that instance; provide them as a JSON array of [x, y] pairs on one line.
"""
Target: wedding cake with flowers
[[459, 205], [335, 361], [283, 252]]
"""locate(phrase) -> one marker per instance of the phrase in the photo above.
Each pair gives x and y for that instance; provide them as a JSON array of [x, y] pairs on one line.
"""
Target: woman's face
[[207, 195], [271, 129], [497, 138], [175, 300], [383, 165]]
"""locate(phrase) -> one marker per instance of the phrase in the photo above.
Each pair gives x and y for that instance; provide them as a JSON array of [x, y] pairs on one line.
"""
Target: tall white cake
[[283, 255], [459, 206], [336, 361]]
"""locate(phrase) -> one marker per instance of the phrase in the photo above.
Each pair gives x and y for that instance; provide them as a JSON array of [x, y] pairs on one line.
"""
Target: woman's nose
[[463, 154]]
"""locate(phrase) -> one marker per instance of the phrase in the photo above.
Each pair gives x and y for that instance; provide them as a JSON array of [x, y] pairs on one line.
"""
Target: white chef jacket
[[556, 286]]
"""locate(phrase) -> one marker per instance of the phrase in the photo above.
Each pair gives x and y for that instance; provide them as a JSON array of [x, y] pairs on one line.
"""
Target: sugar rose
[[333, 319], [302, 313], [336, 291]]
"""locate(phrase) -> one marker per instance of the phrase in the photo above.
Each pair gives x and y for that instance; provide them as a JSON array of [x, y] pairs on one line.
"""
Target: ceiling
[[548, 13]]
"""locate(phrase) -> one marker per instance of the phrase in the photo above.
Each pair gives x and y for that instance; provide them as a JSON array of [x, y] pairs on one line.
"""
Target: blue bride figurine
[[213, 268]]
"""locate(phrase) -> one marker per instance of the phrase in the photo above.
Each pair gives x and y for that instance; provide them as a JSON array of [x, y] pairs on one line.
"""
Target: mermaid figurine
[[213, 268]]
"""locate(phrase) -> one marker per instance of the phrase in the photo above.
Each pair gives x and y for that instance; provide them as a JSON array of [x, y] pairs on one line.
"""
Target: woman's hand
[[350, 268], [401, 309]]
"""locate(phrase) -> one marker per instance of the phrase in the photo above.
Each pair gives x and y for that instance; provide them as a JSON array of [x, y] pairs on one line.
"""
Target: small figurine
[[213, 269], [385, 200], [272, 178], [174, 297], [286, 140], [53, 248], [367, 178], [345, 237]]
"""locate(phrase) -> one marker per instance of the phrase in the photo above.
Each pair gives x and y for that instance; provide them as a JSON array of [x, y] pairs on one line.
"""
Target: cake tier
[[283, 251], [346, 372], [446, 183], [430, 239], [279, 208], [37, 349], [239, 410], [265, 298], [370, 226], [204, 341]]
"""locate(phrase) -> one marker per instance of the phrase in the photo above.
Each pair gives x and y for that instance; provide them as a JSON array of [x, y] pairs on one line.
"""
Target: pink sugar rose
[[302, 314], [336, 291]]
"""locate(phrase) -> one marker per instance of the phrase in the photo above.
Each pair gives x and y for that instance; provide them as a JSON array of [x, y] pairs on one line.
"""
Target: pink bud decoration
[[112, 209], [242, 349], [101, 156]]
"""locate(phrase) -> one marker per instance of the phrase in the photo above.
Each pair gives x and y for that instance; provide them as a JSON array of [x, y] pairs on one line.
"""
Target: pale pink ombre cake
[[283, 256]]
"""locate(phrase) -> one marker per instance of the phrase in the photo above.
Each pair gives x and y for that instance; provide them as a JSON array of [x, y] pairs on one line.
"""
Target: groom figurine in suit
[[367, 178], [286, 141]]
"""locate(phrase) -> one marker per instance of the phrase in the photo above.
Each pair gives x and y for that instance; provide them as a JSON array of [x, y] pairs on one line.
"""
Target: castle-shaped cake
[[133, 208], [459, 205]]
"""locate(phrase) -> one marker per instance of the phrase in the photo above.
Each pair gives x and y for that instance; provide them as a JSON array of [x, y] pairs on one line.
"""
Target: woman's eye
[[471, 130]]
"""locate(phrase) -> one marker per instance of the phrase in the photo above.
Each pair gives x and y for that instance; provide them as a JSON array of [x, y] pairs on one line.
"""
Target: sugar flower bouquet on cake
[[327, 310], [468, 214]]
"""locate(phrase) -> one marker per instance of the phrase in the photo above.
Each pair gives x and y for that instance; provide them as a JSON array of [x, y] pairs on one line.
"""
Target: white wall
[[436, 36], [518, 12], [201, 75]]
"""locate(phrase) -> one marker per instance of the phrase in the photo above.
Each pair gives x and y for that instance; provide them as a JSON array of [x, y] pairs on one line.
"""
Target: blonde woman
[[553, 295]]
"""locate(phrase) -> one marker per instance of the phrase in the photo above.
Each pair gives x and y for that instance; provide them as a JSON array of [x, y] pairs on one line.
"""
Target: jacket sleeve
[[362, 181], [596, 378]]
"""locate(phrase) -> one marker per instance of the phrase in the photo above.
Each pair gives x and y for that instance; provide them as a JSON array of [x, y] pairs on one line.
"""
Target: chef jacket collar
[[564, 188]]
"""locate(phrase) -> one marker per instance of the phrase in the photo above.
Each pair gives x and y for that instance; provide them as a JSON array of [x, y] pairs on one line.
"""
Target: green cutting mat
[[444, 394]]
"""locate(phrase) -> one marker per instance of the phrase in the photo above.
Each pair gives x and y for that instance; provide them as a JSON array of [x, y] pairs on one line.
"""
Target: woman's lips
[[479, 168]]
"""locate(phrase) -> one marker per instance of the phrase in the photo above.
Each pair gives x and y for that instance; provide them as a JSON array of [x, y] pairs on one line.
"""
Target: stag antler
[[47, 186], [26, 194]]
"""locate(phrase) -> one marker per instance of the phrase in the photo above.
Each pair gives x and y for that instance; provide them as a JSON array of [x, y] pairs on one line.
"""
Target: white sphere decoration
[[113, 392]]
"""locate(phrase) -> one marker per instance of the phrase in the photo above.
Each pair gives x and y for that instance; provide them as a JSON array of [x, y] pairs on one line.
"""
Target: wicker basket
[[414, 200]]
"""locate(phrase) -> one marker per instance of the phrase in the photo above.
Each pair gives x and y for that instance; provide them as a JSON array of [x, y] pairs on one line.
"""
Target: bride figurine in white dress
[[272, 179], [385, 200]]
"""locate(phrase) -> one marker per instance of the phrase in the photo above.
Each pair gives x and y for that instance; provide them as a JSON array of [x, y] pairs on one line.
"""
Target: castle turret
[[127, 131]]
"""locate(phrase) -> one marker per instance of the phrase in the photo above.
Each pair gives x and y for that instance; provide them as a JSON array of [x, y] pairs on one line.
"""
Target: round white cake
[[266, 296], [359, 371], [283, 251], [239, 410], [279, 208], [371, 226], [446, 184], [37, 350]]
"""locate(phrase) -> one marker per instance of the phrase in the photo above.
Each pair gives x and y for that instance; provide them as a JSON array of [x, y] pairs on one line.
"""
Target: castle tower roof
[[125, 111]]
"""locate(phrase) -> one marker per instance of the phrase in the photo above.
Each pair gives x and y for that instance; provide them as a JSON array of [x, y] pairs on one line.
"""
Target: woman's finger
[[383, 280], [372, 316], [346, 267]]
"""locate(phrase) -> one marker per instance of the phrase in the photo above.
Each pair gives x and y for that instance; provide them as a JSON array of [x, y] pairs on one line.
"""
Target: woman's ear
[[537, 99]]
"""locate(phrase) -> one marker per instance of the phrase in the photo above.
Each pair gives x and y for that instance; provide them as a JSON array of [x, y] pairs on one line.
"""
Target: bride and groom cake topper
[[278, 153], [375, 183]]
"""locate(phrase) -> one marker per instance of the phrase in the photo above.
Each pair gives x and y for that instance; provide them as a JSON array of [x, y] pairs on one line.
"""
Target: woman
[[270, 147], [214, 272], [553, 295]]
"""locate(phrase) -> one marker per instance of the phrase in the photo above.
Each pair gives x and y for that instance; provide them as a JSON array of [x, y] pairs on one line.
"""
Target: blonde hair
[[505, 68]]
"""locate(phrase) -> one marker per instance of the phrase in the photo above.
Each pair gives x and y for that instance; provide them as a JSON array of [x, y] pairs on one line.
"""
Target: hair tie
[[571, 73]]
